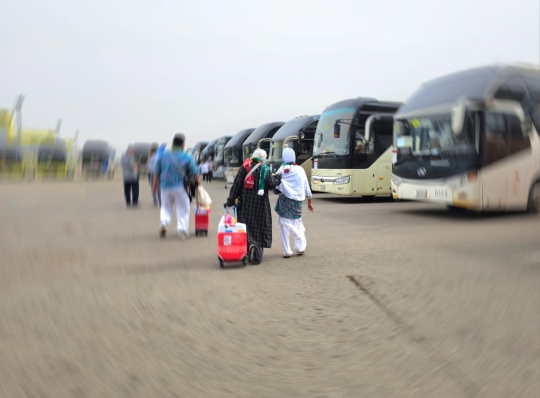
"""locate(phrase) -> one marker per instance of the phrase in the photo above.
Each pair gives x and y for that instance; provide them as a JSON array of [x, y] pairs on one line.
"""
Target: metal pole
[[57, 130], [18, 117]]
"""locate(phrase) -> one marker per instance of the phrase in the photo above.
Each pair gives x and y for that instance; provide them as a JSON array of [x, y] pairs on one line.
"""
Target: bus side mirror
[[337, 129], [458, 116]]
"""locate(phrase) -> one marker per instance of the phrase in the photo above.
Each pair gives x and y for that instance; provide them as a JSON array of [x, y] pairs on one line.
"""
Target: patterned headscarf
[[259, 156]]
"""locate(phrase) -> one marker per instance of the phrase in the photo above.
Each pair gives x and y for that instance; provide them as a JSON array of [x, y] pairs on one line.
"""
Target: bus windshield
[[232, 156], [433, 136], [276, 151], [218, 156], [324, 137]]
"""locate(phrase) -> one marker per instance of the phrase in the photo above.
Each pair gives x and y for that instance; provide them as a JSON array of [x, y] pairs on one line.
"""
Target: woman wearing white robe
[[294, 189]]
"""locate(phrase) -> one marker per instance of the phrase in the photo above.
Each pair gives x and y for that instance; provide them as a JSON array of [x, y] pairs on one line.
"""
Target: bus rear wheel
[[533, 206]]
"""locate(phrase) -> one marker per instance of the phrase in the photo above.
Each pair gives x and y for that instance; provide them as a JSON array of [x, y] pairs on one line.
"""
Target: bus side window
[[519, 139], [496, 138]]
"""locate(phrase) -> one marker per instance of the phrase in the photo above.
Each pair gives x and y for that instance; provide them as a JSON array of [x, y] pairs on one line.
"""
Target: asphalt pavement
[[391, 299]]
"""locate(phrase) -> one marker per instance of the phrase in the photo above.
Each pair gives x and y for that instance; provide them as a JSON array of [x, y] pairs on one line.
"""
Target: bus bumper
[[337, 182], [463, 197]]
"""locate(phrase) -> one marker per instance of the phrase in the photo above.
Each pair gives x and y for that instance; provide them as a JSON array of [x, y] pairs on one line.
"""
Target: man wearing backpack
[[172, 169]]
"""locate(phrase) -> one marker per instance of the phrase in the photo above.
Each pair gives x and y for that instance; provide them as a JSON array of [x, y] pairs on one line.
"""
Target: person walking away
[[204, 170], [250, 190], [171, 170], [131, 177], [210, 170], [152, 156], [294, 189]]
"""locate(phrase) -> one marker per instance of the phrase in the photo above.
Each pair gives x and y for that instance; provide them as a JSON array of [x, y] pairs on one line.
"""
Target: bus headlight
[[342, 180], [457, 181], [396, 180]]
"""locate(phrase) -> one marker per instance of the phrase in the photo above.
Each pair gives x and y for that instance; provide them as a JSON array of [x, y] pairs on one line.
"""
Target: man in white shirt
[[204, 170]]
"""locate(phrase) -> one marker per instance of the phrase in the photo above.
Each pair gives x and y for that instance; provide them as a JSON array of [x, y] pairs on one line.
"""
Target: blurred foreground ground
[[390, 300]]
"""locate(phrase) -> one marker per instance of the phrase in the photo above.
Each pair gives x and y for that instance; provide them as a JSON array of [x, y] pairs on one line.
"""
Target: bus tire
[[455, 209], [533, 204]]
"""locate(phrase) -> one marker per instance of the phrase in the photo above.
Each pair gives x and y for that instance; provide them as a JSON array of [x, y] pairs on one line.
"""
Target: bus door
[[508, 162]]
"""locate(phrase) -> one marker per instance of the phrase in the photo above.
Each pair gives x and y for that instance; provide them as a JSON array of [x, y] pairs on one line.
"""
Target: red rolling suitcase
[[232, 240], [202, 217]]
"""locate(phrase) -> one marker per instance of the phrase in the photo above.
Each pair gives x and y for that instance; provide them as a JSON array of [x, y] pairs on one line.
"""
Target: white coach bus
[[470, 140]]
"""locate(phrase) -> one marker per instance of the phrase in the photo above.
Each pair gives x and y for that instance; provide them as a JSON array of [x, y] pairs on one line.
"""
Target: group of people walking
[[172, 174]]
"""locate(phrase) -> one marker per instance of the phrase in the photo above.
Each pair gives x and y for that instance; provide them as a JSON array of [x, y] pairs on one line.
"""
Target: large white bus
[[298, 134], [352, 153], [470, 140]]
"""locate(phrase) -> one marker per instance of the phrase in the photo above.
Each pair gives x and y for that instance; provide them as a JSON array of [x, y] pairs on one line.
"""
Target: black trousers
[[131, 192], [209, 177]]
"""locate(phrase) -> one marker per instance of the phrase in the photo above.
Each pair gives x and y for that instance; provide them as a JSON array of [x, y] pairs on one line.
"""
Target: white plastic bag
[[202, 197]]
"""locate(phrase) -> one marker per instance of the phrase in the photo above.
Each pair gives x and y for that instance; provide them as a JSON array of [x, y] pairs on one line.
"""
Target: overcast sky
[[133, 70]]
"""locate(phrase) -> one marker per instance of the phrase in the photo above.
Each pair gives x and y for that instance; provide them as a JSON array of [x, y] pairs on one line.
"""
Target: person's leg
[[165, 213], [210, 176], [135, 188], [285, 233], [127, 192], [154, 195], [183, 209], [300, 241]]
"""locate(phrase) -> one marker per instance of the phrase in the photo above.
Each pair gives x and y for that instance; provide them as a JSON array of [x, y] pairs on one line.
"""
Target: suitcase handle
[[226, 210]]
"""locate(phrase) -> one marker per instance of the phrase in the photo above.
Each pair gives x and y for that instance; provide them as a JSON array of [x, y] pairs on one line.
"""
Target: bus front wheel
[[533, 206], [456, 209]]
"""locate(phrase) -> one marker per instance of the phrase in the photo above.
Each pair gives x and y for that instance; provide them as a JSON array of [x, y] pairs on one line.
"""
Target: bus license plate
[[321, 187], [421, 193]]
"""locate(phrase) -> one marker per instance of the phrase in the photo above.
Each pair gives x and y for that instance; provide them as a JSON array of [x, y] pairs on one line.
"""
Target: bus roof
[[200, 145], [293, 126], [475, 84], [225, 139], [261, 132], [238, 139], [90, 145], [209, 147], [58, 143], [365, 102]]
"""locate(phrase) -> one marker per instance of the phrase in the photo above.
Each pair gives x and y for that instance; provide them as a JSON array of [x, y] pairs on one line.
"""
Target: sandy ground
[[390, 300]]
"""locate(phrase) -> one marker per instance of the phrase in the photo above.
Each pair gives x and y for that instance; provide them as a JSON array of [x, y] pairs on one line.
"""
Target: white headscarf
[[294, 182], [259, 153], [289, 156]]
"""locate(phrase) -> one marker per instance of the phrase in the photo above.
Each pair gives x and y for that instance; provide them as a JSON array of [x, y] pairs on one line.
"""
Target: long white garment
[[294, 182], [286, 226], [178, 198]]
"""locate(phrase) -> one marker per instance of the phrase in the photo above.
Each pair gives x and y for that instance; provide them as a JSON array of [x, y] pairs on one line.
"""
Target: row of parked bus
[[469, 140]]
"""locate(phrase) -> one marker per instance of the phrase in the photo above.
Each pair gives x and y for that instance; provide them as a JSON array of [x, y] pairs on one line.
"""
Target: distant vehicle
[[298, 134], [197, 149], [142, 149], [219, 157], [54, 161], [352, 154], [232, 153], [94, 154], [260, 138], [12, 165], [209, 151], [470, 140]]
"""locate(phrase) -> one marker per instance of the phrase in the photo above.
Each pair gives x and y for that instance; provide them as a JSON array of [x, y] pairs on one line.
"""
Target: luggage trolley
[[232, 240]]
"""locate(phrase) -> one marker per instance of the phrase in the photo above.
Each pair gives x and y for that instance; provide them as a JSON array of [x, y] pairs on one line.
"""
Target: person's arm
[[237, 186], [194, 170], [273, 181], [309, 194], [157, 176]]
